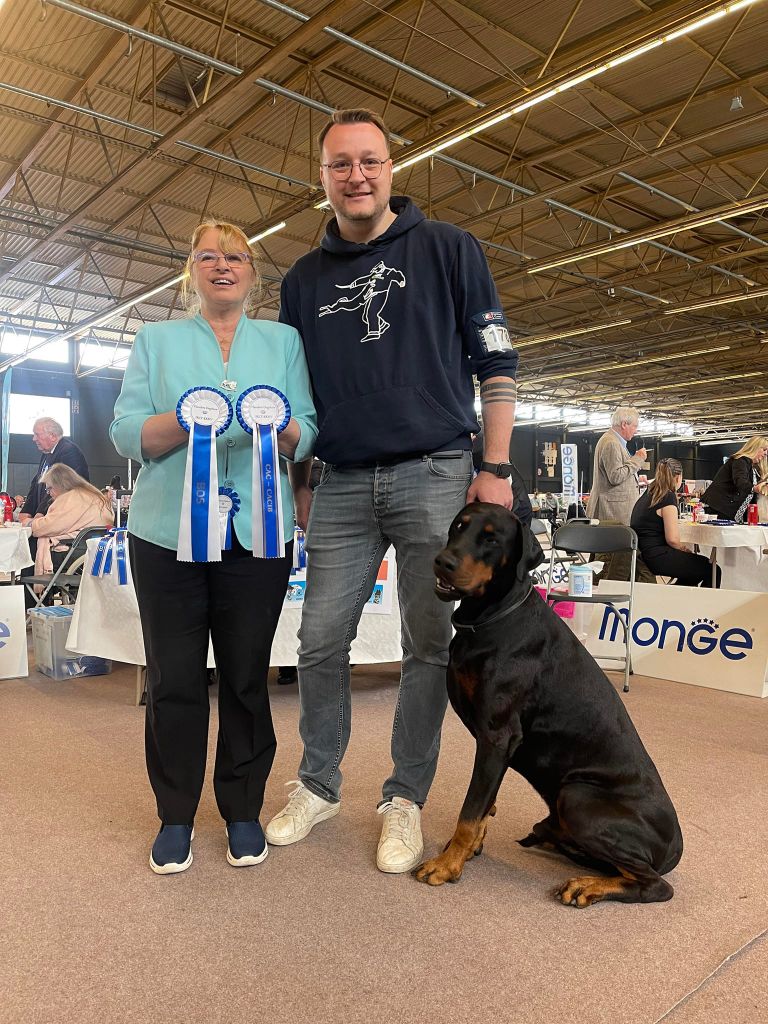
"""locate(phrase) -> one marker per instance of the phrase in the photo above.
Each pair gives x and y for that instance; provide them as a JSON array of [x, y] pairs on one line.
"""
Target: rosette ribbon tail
[[112, 550], [299, 549], [268, 540], [199, 539]]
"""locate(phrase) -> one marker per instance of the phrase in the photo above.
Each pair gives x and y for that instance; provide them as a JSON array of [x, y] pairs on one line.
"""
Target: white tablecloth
[[739, 552], [14, 548], [106, 624]]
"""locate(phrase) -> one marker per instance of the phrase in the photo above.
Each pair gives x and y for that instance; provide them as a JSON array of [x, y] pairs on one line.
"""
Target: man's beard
[[380, 207]]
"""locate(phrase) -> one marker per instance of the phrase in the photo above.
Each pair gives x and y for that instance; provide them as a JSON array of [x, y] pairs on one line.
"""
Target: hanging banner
[[5, 427], [569, 458]]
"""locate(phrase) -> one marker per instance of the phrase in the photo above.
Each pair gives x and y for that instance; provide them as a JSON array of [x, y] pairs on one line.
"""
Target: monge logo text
[[700, 637]]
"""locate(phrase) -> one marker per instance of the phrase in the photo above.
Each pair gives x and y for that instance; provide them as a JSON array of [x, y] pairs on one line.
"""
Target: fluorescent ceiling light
[[572, 82], [724, 300], [650, 236], [540, 339], [701, 381], [622, 366]]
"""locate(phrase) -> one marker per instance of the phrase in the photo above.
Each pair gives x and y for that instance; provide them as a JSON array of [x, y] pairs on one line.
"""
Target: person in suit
[[48, 435], [738, 481], [615, 487]]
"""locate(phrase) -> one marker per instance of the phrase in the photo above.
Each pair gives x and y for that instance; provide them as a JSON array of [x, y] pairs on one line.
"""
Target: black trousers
[[690, 570], [237, 600]]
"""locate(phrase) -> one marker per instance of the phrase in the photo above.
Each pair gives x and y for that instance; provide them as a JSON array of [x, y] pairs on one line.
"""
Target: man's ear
[[529, 552]]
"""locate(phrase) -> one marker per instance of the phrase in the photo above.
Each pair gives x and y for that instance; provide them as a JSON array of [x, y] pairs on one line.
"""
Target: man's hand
[[487, 487], [302, 502], [641, 453]]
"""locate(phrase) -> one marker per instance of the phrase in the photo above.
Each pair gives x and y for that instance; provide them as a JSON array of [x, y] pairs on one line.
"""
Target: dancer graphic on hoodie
[[373, 295]]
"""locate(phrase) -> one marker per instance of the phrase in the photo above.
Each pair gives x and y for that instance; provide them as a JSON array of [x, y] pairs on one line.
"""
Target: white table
[[14, 548], [105, 623], [740, 551]]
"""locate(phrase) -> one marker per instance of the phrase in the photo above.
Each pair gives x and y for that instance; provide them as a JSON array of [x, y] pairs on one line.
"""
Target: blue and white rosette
[[205, 412], [263, 411], [229, 506], [111, 551]]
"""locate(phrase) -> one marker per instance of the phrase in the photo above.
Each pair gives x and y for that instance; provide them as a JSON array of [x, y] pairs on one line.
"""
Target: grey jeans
[[356, 514]]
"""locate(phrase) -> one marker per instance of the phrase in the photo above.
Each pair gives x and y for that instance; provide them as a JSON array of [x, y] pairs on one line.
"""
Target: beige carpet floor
[[317, 934]]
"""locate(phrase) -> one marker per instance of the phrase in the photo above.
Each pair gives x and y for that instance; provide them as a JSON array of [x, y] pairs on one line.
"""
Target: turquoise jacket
[[166, 360]]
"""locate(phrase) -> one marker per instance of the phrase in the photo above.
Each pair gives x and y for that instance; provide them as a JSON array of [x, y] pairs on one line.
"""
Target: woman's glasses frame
[[232, 259]]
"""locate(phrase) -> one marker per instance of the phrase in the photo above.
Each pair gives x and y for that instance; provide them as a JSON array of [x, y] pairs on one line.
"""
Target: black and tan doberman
[[536, 701]]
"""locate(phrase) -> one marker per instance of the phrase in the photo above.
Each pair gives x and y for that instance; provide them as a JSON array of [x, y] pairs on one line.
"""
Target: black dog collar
[[503, 611]]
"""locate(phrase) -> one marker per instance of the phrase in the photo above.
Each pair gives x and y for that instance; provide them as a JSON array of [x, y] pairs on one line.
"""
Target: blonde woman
[[237, 600], [736, 482], [655, 521], [76, 505]]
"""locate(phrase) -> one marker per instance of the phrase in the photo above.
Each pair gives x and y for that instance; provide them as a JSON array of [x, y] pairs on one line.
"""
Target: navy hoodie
[[393, 330]]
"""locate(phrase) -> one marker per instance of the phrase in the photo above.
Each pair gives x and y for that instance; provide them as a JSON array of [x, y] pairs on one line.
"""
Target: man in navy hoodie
[[397, 313]]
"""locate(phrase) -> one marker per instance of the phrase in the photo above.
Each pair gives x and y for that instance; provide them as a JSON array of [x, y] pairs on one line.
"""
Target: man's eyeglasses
[[341, 170], [208, 258]]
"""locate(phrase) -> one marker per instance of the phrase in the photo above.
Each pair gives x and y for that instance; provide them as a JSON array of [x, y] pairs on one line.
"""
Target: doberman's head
[[488, 552]]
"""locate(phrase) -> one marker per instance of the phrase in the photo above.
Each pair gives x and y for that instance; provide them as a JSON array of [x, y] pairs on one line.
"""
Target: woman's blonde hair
[[231, 239], [751, 448], [664, 481], [66, 479]]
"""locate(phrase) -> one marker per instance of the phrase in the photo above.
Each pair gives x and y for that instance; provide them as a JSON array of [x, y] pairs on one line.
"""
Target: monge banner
[[713, 638], [569, 457]]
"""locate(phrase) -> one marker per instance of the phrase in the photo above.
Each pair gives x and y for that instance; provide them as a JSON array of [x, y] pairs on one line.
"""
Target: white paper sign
[[569, 458], [712, 638], [13, 633]]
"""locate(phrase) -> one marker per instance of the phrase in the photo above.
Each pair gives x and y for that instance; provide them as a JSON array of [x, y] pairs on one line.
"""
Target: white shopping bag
[[13, 633]]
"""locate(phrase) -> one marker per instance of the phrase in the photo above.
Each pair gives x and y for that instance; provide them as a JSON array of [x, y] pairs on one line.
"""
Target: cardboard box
[[50, 628]]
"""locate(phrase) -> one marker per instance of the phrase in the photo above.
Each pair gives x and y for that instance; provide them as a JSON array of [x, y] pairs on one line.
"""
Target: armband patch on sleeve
[[491, 330]]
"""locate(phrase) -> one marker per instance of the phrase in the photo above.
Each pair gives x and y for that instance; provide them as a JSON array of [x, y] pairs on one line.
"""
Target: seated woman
[[654, 520], [736, 483], [76, 505]]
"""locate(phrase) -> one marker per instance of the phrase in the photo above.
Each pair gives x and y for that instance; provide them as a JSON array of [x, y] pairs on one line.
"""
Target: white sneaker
[[299, 815], [401, 846]]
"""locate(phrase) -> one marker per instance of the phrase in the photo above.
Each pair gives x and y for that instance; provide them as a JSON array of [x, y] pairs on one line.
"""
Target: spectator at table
[[75, 505], [655, 521], [738, 481]]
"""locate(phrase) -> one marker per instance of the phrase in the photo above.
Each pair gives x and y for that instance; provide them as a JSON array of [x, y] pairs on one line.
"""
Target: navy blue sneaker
[[247, 844], [172, 850]]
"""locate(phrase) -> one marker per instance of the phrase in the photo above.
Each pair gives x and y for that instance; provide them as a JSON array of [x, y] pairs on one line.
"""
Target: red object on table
[[8, 506], [752, 517]]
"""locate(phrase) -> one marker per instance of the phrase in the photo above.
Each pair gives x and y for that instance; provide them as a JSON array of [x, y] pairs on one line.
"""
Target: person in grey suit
[[615, 488]]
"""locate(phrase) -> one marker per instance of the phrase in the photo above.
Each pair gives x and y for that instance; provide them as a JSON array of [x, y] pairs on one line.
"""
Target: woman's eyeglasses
[[341, 170], [208, 258]]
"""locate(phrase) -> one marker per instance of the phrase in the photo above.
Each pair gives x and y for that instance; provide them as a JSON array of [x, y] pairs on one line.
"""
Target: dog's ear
[[529, 552]]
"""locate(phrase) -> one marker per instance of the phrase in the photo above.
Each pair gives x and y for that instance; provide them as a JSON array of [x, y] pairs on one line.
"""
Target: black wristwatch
[[501, 469]]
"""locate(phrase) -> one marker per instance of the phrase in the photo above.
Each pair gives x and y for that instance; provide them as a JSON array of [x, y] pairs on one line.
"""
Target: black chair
[[65, 580], [588, 538]]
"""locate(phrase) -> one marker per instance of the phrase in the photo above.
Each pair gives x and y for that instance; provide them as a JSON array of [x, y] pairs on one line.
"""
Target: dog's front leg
[[490, 765]]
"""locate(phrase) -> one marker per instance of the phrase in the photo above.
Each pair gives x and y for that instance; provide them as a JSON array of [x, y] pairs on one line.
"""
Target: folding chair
[[65, 581], [587, 538]]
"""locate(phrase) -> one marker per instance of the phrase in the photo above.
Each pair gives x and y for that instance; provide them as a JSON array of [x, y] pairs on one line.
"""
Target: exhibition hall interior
[[384, 511]]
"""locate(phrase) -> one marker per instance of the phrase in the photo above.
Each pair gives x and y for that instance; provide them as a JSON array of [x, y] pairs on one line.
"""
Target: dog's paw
[[439, 870], [583, 892]]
